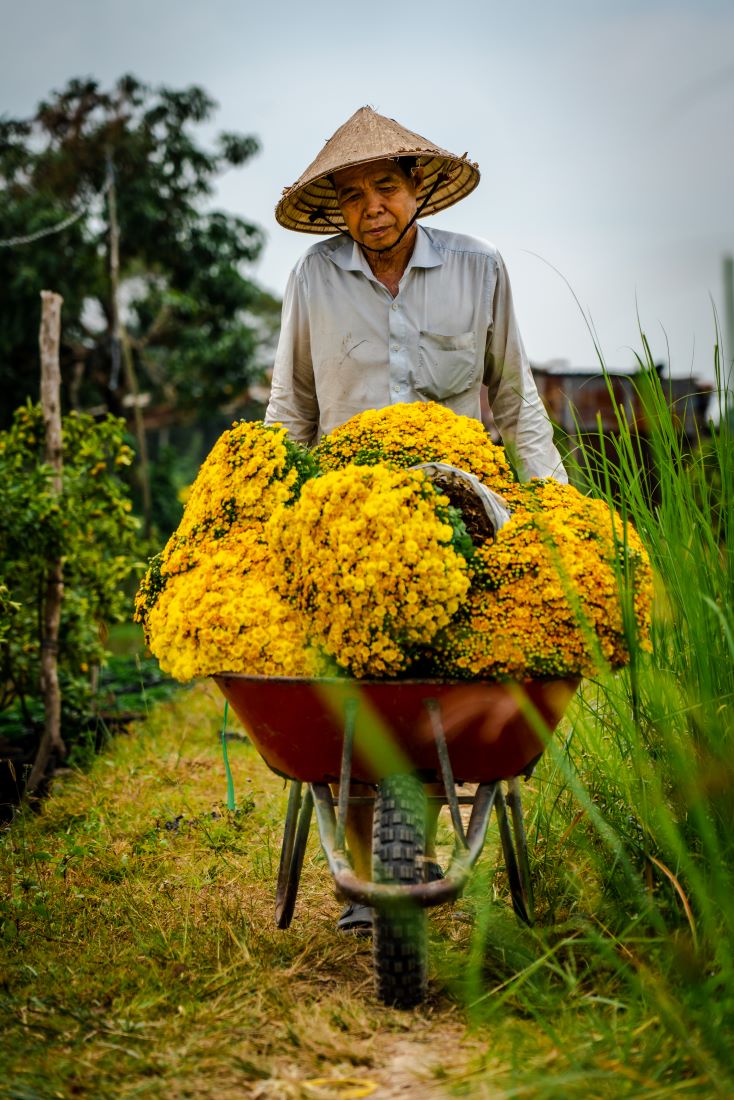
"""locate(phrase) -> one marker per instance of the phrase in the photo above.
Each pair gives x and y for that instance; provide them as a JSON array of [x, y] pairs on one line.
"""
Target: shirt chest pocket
[[447, 365]]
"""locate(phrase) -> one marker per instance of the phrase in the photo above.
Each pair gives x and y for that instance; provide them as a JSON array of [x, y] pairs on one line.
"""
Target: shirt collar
[[350, 257]]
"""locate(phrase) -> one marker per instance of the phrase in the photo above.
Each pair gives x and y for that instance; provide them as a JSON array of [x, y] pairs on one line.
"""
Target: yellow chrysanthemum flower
[[218, 619], [545, 599], [207, 601], [408, 434], [367, 559]]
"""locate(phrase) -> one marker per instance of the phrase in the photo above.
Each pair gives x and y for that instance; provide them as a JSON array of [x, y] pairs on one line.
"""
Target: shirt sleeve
[[517, 409], [293, 392]]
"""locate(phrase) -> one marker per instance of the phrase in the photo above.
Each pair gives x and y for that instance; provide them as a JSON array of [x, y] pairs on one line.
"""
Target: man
[[387, 311]]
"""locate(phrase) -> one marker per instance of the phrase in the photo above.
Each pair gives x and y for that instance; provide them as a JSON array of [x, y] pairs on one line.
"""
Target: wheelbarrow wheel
[[399, 940]]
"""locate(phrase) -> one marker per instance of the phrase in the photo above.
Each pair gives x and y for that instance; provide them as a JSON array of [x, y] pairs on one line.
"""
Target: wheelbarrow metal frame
[[409, 715], [467, 845]]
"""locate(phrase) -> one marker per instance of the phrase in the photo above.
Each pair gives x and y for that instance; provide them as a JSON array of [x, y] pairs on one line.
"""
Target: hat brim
[[310, 206]]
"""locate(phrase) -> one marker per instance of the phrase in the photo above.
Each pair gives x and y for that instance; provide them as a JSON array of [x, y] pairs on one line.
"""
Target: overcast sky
[[604, 132]]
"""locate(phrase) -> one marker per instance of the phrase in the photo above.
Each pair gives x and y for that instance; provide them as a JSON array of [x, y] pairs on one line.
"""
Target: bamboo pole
[[122, 352], [49, 339]]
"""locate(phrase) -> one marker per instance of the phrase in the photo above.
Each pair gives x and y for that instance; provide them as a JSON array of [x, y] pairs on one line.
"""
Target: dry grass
[[140, 953]]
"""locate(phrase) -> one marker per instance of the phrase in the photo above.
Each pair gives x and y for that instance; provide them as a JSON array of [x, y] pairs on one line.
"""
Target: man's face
[[377, 201]]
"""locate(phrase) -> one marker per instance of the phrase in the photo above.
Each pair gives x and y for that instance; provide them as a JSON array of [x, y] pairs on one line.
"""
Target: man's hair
[[406, 165]]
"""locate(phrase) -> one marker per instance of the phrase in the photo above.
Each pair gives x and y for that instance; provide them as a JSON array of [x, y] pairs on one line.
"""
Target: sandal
[[357, 919], [432, 872]]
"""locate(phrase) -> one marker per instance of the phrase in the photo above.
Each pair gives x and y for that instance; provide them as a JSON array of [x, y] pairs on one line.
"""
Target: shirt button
[[394, 306], [396, 347]]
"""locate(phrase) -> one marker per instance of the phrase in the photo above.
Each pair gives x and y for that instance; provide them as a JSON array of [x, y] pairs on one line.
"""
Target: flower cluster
[[346, 560], [545, 598], [367, 559], [409, 434], [225, 616], [206, 601]]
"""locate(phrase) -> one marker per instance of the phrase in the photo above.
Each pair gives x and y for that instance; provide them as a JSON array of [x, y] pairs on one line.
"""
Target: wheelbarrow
[[383, 742]]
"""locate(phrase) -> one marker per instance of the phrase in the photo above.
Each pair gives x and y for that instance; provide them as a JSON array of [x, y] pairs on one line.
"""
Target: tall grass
[[632, 823]]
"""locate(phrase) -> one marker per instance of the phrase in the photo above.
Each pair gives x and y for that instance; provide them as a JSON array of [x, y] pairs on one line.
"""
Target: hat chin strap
[[321, 215]]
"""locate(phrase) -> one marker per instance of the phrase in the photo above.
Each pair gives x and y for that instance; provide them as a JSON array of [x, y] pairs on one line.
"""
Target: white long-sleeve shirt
[[347, 345]]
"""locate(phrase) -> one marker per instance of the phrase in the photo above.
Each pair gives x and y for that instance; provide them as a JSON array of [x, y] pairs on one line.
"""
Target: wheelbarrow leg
[[514, 801], [295, 837], [521, 898]]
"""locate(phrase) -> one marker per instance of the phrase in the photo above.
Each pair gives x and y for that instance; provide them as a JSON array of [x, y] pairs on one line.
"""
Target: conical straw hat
[[309, 205]]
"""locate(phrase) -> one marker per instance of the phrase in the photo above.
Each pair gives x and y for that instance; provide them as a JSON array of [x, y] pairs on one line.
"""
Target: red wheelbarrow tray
[[493, 729]]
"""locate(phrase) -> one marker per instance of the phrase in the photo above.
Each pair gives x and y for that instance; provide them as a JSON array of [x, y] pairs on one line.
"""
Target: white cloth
[[347, 345]]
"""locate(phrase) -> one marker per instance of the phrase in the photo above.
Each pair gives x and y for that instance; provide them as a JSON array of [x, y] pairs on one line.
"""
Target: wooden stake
[[49, 339]]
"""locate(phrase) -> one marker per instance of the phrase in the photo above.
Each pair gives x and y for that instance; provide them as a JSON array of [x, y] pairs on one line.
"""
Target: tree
[[193, 321], [89, 527]]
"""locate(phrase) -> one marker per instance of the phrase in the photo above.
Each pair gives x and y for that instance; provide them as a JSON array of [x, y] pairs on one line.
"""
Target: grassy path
[[140, 959]]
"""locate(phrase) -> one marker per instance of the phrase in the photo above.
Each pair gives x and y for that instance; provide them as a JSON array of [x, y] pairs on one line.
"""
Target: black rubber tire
[[399, 940]]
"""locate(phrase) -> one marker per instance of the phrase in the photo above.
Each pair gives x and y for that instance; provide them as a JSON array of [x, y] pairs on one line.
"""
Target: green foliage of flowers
[[89, 526], [461, 541]]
